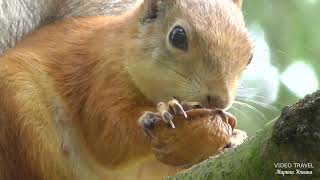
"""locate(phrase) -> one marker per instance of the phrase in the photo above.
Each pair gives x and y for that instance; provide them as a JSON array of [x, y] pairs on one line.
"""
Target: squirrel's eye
[[178, 38]]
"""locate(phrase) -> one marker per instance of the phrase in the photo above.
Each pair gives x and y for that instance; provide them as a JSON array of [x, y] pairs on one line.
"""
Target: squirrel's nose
[[216, 102]]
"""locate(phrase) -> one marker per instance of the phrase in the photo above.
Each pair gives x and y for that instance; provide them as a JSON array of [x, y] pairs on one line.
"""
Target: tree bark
[[293, 138]]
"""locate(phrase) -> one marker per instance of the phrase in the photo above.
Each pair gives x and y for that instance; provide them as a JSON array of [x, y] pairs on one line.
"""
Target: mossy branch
[[293, 138]]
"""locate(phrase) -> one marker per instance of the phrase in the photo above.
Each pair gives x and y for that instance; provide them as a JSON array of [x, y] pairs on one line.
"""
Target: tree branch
[[293, 138]]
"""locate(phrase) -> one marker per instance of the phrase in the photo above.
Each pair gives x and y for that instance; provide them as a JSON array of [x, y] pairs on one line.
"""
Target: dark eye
[[178, 38]]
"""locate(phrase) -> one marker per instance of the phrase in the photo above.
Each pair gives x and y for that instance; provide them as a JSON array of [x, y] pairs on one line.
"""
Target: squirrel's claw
[[167, 111], [177, 108], [167, 117], [165, 114]]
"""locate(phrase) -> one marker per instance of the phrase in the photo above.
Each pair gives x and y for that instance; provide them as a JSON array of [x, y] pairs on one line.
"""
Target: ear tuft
[[238, 3], [150, 10]]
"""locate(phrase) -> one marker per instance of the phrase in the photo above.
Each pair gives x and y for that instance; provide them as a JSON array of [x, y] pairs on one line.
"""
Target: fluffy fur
[[19, 17], [72, 92]]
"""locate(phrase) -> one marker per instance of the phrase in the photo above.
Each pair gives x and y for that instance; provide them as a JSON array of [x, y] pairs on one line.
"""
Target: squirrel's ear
[[238, 3], [150, 10]]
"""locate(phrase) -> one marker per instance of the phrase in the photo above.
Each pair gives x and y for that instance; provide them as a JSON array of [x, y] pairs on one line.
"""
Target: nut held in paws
[[203, 134]]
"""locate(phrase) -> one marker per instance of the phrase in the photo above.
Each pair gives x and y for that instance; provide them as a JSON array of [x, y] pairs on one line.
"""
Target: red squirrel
[[73, 91]]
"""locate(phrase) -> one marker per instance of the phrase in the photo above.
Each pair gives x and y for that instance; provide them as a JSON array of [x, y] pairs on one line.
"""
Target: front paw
[[166, 113], [147, 121], [170, 110]]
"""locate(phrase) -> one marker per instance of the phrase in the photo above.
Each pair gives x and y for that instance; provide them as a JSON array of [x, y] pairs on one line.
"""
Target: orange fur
[[44, 82], [69, 106]]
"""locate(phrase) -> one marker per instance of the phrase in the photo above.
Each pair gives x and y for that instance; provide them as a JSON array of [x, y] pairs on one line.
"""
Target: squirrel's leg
[[29, 146]]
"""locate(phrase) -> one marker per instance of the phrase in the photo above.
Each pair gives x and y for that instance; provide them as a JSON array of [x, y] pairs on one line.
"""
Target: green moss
[[252, 160]]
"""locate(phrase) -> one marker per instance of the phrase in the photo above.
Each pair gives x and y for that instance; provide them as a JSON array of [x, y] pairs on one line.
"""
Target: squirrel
[[73, 91]]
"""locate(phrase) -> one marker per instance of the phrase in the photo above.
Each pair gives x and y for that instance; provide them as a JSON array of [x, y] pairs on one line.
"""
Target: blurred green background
[[286, 64]]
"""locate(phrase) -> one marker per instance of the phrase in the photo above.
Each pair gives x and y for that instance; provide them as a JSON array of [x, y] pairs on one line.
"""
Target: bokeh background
[[286, 64]]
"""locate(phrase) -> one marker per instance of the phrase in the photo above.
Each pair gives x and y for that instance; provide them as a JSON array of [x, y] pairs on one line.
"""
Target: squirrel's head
[[194, 50]]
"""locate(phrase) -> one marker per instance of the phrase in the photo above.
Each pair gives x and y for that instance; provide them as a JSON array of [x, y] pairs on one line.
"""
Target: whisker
[[197, 77], [186, 85], [172, 69], [259, 113], [239, 113], [264, 105]]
